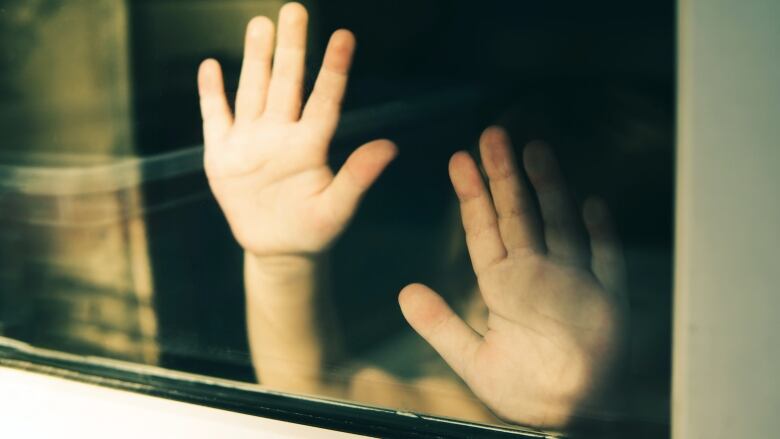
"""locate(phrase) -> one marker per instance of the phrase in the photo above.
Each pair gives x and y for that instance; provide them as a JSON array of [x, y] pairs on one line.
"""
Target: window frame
[[242, 398]]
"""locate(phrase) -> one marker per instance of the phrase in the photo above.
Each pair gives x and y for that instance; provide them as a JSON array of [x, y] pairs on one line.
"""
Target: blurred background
[[111, 245]]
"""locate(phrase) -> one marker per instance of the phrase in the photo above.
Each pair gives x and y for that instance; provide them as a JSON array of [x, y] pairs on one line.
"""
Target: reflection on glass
[[114, 242]]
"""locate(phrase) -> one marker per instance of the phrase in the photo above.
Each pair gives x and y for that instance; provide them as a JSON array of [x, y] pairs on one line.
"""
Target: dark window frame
[[220, 394]]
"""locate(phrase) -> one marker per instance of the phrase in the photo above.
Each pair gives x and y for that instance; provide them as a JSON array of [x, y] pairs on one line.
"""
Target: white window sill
[[35, 405]]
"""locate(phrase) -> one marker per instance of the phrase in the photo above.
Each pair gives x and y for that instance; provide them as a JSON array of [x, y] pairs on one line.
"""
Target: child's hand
[[556, 309], [268, 168]]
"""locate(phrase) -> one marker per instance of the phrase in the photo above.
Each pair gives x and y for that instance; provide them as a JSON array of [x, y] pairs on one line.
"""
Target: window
[[112, 244]]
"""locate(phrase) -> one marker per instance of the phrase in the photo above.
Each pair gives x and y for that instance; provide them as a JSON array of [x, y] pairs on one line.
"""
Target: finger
[[563, 232], [608, 263], [359, 172], [517, 218], [479, 218], [324, 104], [214, 107], [284, 92], [255, 70], [435, 321]]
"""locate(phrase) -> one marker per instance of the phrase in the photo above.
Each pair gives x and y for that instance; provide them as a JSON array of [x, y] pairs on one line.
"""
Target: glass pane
[[282, 261]]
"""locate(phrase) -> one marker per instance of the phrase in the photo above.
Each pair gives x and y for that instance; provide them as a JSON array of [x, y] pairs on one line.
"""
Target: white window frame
[[727, 276]]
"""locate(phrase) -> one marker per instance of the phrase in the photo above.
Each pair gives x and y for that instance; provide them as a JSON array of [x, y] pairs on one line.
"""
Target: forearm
[[291, 328]]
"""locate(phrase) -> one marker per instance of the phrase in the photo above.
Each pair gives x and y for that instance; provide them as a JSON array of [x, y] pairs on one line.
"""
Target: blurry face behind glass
[[338, 244]]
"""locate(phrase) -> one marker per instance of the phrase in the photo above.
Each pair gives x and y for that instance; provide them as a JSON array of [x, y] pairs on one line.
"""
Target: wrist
[[282, 267], [283, 280]]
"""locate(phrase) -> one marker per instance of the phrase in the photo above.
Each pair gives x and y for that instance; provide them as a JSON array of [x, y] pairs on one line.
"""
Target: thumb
[[435, 321], [358, 173]]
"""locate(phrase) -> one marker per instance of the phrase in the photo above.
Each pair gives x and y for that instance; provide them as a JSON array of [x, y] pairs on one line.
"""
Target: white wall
[[727, 310]]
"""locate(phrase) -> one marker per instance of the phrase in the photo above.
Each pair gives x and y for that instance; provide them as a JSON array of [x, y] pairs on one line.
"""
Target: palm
[[554, 309], [547, 336], [268, 167], [270, 198]]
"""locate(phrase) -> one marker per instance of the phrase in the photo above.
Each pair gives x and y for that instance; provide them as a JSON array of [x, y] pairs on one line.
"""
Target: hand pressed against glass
[[556, 312], [268, 166], [268, 170]]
